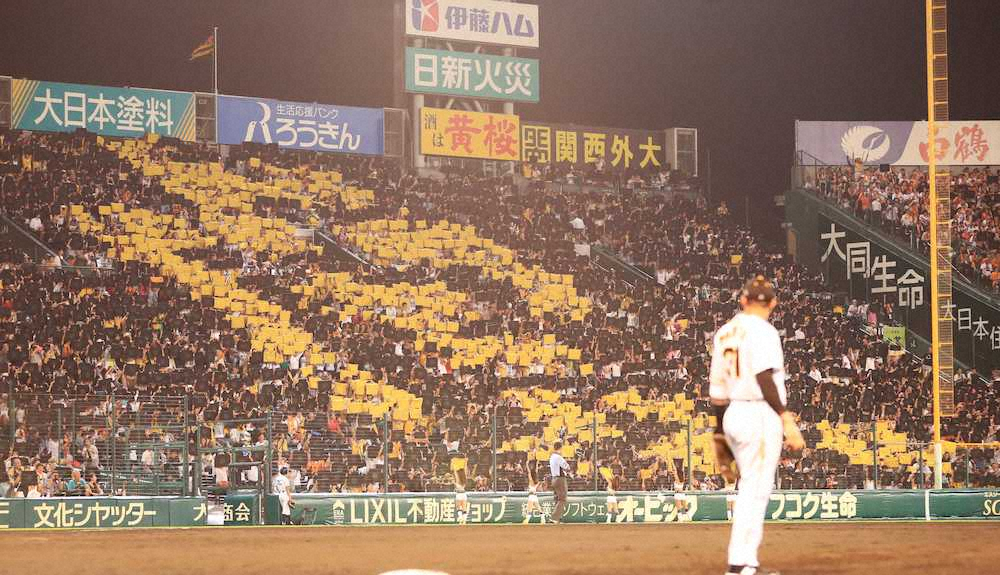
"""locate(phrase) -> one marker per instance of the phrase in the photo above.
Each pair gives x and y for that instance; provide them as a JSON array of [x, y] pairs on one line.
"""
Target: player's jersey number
[[730, 340]]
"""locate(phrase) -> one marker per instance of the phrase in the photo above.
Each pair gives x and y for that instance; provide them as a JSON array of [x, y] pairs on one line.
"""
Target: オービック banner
[[479, 21], [463, 134], [316, 127], [104, 110]]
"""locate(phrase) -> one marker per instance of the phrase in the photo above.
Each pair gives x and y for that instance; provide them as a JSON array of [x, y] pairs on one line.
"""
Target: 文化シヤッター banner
[[121, 112], [316, 127], [585, 145], [478, 21], [471, 75], [970, 143], [463, 134]]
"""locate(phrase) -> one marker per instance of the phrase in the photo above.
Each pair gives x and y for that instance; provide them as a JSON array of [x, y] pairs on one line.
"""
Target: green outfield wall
[[593, 507], [495, 508], [95, 512]]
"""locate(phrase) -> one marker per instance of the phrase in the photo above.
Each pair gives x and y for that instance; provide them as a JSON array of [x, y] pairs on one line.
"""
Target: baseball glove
[[724, 456]]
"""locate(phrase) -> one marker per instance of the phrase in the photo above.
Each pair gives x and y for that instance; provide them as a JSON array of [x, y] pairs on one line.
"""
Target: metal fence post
[[185, 455], [12, 414], [114, 442], [690, 473], [270, 455], [875, 453], [157, 470], [386, 447], [493, 439], [59, 426], [968, 466], [921, 464], [593, 450], [196, 484]]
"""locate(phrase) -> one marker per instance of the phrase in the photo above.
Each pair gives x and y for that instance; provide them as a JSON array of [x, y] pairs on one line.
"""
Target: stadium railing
[[135, 445], [142, 445]]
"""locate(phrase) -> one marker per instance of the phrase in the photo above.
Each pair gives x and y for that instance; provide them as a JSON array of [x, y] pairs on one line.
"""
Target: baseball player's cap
[[758, 289]]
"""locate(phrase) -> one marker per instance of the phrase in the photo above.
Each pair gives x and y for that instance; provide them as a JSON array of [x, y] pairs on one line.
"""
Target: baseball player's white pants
[[283, 498], [753, 431]]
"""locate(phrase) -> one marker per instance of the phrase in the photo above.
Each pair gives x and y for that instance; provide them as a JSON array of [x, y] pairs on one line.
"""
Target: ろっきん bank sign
[[316, 127]]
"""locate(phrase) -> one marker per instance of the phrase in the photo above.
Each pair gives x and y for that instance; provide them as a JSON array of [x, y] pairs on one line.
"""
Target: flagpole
[[215, 60], [215, 78]]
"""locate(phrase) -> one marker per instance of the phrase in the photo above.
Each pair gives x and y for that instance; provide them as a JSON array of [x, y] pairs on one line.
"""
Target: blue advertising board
[[316, 127], [121, 112]]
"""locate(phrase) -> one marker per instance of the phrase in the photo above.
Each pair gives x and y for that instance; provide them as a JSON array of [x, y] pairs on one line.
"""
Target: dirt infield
[[863, 548]]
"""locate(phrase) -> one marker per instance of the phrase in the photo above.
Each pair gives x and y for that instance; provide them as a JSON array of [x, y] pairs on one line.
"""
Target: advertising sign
[[584, 145], [462, 134], [971, 143], [895, 334], [121, 112], [316, 127], [479, 21], [471, 75], [871, 270], [637, 507], [102, 512]]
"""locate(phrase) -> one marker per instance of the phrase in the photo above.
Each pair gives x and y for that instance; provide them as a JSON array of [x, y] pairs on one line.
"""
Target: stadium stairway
[[25, 241]]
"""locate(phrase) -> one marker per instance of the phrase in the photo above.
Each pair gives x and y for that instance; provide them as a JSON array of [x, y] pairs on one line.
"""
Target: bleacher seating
[[473, 329]]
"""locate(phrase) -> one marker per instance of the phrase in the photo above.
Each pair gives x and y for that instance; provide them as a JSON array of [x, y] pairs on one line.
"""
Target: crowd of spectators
[[600, 175], [122, 328], [896, 200]]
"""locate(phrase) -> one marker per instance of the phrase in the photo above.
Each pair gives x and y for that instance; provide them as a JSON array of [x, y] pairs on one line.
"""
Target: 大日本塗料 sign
[[104, 110]]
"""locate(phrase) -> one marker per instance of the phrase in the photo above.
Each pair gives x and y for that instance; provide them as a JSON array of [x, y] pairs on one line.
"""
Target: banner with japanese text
[[104, 110], [875, 271], [471, 75], [463, 134], [315, 127], [634, 507], [583, 146], [103, 512], [479, 21], [966, 143], [895, 334]]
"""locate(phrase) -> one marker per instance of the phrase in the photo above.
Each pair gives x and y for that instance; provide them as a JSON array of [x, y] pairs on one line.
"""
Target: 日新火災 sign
[[471, 75]]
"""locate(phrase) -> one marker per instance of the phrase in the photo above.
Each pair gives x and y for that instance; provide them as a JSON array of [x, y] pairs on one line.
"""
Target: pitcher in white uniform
[[747, 387]]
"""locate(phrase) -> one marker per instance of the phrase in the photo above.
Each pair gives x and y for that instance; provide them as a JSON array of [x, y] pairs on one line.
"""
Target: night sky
[[741, 71]]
